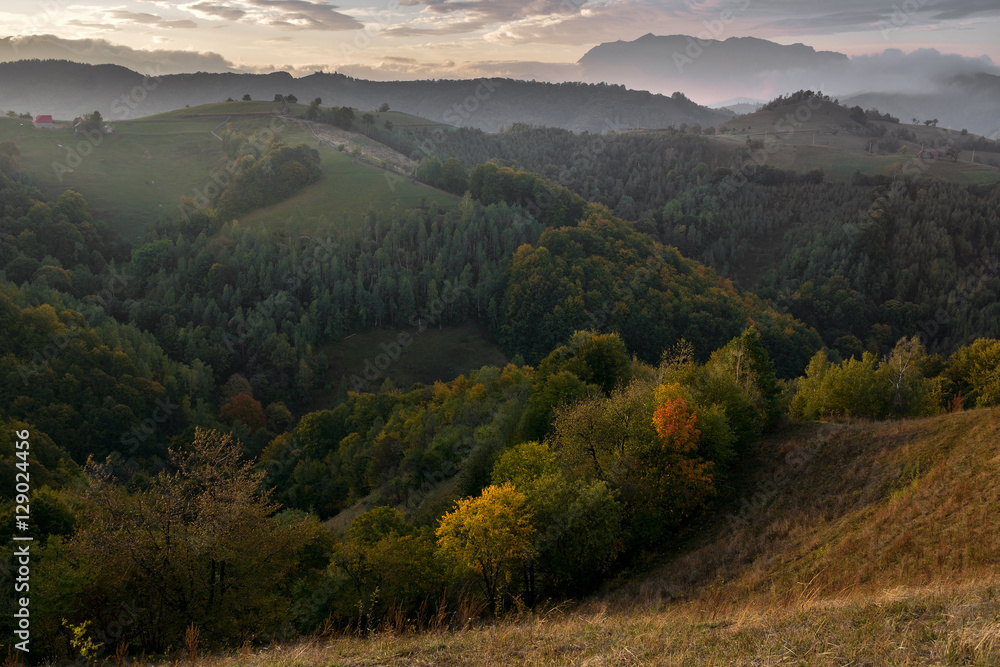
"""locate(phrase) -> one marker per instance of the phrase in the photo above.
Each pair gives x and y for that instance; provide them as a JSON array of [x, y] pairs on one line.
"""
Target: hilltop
[[804, 131], [961, 92], [67, 89], [138, 173], [680, 62], [848, 543]]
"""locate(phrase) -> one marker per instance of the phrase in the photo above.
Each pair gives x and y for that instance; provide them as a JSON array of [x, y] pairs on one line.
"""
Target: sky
[[405, 39]]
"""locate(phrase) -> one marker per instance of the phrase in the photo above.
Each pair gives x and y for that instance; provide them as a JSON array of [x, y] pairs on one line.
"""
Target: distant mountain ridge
[[960, 92], [668, 62], [970, 101], [768, 54], [66, 89]]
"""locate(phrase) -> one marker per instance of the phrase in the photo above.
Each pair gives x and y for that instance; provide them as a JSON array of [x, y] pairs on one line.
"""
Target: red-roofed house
[[44, 122]]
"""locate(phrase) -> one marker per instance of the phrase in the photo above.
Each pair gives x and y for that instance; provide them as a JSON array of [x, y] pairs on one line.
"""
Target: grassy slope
[[854, 544], [347, 189], [434, 354], [131, 191], [852, 510], [123, 186]]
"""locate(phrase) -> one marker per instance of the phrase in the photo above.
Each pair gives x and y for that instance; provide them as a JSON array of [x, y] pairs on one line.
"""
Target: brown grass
[[911, 627], [857, 544], [851, 509]]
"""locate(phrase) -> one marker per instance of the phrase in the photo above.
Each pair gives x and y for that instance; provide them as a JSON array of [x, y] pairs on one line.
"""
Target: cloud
[[101, 51], [592, 24], [584, 22], [95, 26], [296, 71], [290, 14], [952, 10], [153, 20], [215, 10], [452, 17], [895, 71], [392, 68], [823, 17]]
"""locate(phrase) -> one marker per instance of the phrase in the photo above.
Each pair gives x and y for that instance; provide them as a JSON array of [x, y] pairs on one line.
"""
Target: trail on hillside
[[334, 137]]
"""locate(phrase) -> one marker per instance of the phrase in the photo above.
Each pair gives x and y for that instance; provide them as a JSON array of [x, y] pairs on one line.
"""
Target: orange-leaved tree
[[682, 479], [642, 440], [244, 408]]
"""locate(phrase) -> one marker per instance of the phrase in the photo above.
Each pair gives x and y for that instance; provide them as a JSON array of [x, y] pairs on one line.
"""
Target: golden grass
[[857, 544], [898, 627], [851, 509]]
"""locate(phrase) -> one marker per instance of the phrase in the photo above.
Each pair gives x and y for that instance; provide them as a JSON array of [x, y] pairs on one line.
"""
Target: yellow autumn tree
[[491, 534]]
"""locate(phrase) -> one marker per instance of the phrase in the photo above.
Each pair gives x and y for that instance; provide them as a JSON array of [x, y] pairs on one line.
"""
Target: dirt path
[[334, 136]]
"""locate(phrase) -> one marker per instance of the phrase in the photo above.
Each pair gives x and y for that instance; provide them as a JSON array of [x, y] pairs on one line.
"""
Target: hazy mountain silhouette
[[680, 62], [961, 92], [67, 89], [970, 101]]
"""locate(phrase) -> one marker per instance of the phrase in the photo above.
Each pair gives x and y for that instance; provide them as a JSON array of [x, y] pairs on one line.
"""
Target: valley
[[322, 370]]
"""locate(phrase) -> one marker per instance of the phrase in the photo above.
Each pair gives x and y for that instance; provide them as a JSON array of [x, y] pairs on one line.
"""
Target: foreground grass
[[899, 627], [849, 510]]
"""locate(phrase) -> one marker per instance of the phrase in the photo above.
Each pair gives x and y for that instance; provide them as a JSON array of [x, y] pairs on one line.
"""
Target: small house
[[925, 154], [44, 122]]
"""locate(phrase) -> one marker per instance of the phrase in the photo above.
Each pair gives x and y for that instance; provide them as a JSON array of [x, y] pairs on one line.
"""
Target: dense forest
[[862, 262], [192, 467]]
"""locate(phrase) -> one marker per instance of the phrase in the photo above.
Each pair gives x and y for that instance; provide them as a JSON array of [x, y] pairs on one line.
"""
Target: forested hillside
[[864, 262], [199, 476]]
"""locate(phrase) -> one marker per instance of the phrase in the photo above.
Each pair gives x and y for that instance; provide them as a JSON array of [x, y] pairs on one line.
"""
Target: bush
[[974, 372], [895, 387]]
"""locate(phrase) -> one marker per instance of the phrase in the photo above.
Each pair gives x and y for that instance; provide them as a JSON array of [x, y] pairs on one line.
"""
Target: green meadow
[[137, 174]]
